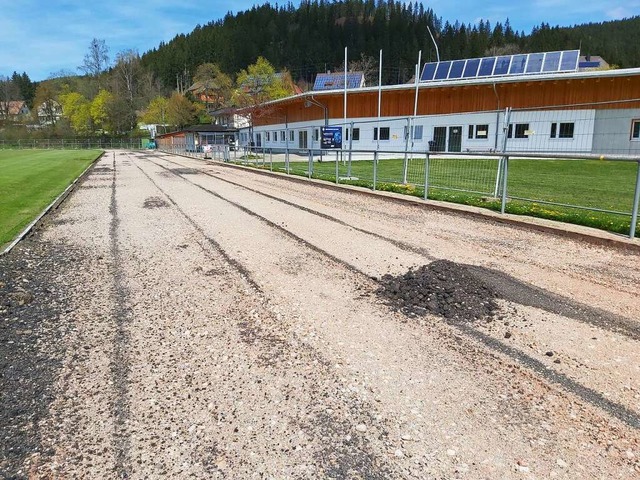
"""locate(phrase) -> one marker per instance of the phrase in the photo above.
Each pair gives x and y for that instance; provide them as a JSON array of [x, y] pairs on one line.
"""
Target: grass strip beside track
[[600, 185], [31, 179]]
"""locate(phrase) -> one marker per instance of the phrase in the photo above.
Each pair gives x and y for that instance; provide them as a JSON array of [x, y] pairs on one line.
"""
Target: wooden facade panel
[[465, 98]]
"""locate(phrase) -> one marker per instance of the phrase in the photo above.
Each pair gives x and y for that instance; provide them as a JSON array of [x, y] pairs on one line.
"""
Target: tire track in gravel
[[507, 287], [400, 244], [120, 366], [344, 456], [585, 393]]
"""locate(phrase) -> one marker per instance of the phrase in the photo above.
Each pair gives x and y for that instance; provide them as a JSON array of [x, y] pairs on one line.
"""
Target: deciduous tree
[[180, 111], [96, 60], [77, 109]]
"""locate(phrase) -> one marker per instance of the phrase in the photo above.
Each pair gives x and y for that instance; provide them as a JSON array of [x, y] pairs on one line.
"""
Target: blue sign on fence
[[331, 137]]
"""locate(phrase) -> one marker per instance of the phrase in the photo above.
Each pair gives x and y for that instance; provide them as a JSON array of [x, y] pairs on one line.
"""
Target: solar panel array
[[333, 81], [504, 65]]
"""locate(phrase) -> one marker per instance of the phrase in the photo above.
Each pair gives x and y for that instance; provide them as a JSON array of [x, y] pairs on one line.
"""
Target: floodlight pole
[[434, 43]]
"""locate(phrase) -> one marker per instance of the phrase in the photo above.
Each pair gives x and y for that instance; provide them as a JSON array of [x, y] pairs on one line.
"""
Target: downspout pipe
[[495, 145]]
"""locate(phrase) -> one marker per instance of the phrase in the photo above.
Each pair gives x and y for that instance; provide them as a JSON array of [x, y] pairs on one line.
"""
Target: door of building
[[455, 139], [439, 142], [302, 139]]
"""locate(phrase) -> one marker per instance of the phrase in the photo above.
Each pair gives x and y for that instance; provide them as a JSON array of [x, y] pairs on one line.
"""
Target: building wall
[[537, 125], [613, 131]]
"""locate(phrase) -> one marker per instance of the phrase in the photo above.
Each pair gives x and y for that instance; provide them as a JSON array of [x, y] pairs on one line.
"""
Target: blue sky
[[41, 37]]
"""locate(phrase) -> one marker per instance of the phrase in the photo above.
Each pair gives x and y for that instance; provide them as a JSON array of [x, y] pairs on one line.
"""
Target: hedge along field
[[31, 179], [603, 185]]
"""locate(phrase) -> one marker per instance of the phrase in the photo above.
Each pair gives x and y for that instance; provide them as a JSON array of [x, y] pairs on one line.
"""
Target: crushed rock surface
[[168, 324]]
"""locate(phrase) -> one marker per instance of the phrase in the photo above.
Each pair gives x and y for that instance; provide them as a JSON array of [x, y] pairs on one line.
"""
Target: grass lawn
[[31, 179], [594, 184]]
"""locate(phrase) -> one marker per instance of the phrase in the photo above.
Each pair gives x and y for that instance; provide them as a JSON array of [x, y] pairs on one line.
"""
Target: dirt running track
[[182, 319]]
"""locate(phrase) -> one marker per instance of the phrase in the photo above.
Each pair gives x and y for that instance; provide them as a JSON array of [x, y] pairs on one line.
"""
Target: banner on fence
[[331, 137]]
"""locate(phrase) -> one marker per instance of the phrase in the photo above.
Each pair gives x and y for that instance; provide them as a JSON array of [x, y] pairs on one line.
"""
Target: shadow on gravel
[[464, 294], [514, 290], [30, 350], [468, 292]]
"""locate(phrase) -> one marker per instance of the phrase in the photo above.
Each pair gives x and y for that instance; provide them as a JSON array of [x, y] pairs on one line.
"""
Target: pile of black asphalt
[[442, 288]]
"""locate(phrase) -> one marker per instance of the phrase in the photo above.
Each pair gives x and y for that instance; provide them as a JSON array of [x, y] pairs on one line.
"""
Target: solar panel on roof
[[534, 64], [551, 62], [502, 65], [332, 81], [486, 66], [442, 71], [569, 60], [520, 64], [429, 71], [471, 68], [456, 69]]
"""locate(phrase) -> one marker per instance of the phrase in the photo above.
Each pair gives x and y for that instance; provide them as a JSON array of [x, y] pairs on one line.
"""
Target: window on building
[[521, 130], [562, 130], [292, 136], [267, 136], [481, 131], [275, 135], [346, 134], [635, 130], [355, 132], [417, 132], [384, 133], [566, 130], [316, 134]]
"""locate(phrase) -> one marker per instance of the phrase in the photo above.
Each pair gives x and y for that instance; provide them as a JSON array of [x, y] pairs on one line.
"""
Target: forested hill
[[311, 38]]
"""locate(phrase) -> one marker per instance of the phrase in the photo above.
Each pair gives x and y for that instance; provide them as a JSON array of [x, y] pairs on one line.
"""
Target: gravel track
[[186, 320]]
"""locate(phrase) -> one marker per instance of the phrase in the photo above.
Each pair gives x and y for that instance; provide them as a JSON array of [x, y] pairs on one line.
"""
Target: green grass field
[[31, 179], [598, 185]]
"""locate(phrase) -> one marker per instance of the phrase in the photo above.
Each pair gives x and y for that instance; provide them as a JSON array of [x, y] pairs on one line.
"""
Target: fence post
[[310, 167], [338, 166], [350, 148], [505, 172], [634, 212], [426, 176], [505, 133], [405, 164], [375, 169], [271, 159], [286, 157]]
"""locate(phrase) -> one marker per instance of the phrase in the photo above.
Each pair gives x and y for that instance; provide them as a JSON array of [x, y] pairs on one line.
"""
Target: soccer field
[[31, 179]]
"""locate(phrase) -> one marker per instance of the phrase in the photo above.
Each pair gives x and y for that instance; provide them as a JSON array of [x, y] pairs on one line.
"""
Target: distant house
[[592, 62], [335, 81], [153, 128], [228, 117], [49, 112], [14, 110], [193, 138], [204, 93]]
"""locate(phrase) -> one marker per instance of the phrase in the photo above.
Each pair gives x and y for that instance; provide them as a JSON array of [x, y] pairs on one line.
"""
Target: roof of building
[[14, 106], [207, 128], [578, 75]]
